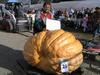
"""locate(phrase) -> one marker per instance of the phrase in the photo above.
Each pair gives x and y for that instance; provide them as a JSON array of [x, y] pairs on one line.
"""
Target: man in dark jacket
[[96, 18]]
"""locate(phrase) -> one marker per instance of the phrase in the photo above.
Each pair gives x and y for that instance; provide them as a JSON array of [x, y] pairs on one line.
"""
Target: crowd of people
[[87, 19], [76, 18]]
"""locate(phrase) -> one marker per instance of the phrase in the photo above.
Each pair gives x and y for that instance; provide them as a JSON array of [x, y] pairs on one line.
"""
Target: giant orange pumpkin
[[46, 49]]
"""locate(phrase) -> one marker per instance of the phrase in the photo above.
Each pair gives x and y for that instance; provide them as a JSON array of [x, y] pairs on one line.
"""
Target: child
[[84, 24]]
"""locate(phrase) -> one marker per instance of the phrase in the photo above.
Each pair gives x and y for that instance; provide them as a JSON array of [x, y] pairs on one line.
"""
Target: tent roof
[[12, 0]]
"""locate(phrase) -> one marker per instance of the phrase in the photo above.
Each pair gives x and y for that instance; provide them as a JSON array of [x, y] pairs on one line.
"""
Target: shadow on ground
[[8, 57]]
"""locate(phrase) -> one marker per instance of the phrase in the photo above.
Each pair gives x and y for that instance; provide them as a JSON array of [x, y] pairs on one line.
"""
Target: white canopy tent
[[69, 4], [12, 0]]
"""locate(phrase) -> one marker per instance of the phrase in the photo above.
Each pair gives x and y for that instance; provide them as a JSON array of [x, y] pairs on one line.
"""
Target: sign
[[53, 24], [64, 66]]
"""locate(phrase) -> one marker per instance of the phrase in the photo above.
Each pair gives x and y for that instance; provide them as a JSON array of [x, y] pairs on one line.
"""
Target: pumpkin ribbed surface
[[45, 50]]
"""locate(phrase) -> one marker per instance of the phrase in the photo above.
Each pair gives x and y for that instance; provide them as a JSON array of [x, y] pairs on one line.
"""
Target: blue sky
[[12, 0]]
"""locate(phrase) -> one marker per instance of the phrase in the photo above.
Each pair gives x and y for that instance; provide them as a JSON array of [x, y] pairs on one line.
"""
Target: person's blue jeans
[[97, 31]]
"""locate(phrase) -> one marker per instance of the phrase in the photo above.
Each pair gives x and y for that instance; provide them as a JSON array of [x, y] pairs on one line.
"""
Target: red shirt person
[[41, 17], [46, 12]]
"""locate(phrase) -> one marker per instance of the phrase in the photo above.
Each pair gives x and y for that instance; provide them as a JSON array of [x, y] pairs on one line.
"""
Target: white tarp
[[69, 4]]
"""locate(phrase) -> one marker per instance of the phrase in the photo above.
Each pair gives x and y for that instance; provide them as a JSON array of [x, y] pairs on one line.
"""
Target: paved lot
[[11, 47]]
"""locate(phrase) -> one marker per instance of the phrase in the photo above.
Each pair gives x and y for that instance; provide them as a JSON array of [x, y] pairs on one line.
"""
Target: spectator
[[79, 19], [41, 17], [84, 24], [96, 18]]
